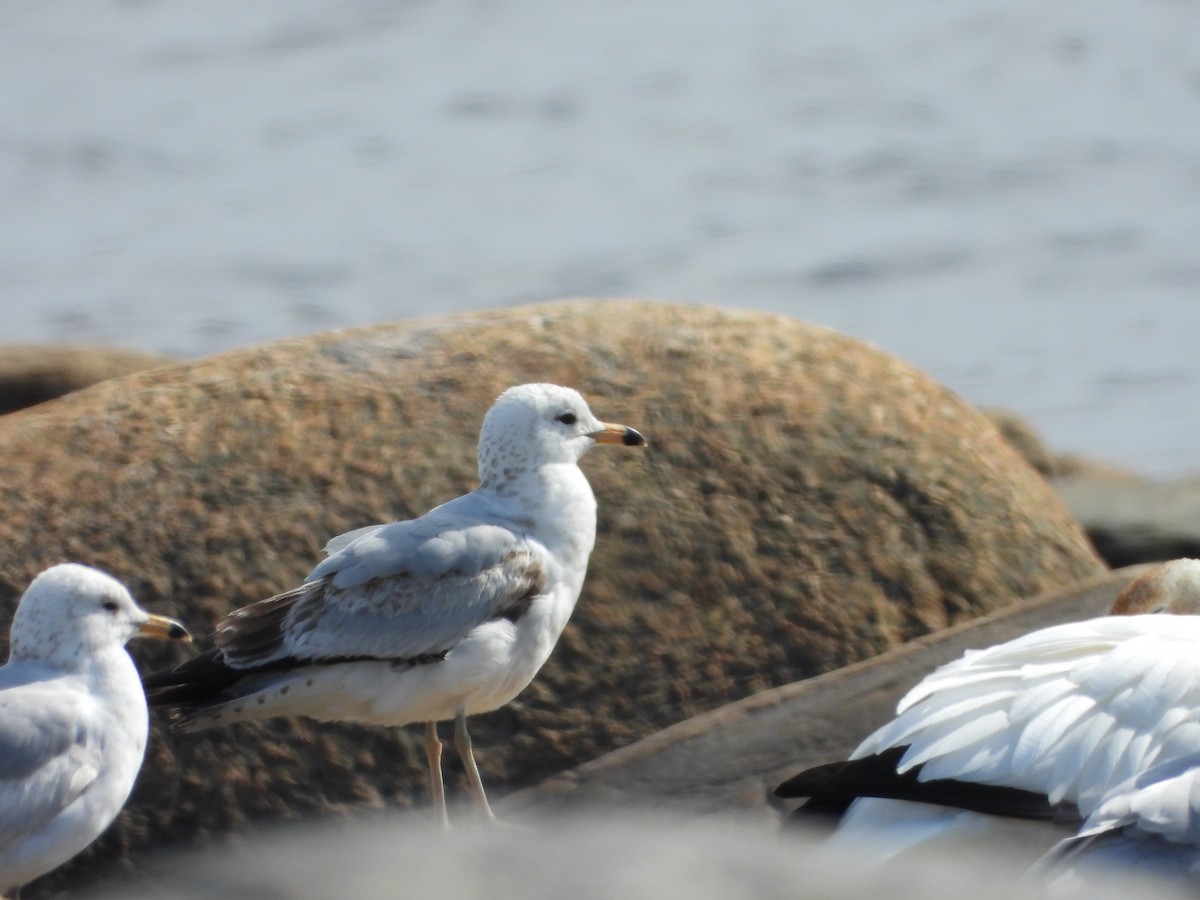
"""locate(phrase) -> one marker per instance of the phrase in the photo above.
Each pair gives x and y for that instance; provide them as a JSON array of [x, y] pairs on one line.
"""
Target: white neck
[[560, 505]]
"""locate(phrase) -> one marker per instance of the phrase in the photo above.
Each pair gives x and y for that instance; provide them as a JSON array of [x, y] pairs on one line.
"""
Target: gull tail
[[195, 690]]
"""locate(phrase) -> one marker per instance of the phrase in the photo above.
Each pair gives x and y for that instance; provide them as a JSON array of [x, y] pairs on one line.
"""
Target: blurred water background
[[1004, 192]]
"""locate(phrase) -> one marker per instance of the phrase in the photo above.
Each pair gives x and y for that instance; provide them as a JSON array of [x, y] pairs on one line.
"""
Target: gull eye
[[566, 418], [111, 606]]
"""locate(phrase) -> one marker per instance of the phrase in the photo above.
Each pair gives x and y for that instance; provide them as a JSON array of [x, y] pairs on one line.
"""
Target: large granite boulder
[[806, 501]]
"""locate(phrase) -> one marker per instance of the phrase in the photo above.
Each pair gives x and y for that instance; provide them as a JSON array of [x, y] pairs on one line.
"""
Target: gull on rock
[[429, 619], [1086, 733], [73, 720]]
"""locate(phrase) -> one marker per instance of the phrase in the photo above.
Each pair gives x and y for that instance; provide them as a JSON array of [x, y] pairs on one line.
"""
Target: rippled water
[[1005, 193]]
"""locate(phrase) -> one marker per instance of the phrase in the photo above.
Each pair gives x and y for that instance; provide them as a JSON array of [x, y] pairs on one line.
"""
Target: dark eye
[[566, 418], [111, 605]]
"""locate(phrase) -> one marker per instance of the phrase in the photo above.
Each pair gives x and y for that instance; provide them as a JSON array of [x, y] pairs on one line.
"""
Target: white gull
[[429, 619], [73, 719], [1096, 720]]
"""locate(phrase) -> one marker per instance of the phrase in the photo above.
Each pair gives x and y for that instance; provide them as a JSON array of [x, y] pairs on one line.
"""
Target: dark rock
[[32, 374], [1128, 519], [1134, 520], [807, 501]]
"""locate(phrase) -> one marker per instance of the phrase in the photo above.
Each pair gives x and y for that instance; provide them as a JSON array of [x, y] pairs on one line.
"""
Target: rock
[[1134, 520], [587, 857], [1052, 464], [31, 374], [1128, 519], [807, 501], [1024, 439]]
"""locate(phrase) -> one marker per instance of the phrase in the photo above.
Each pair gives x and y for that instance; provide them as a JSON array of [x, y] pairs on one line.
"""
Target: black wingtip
[[832, 787], [195, 682]]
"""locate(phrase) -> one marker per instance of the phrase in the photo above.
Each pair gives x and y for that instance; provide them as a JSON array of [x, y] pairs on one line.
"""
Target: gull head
[[1170, 587], [70, 612], [533, 425]]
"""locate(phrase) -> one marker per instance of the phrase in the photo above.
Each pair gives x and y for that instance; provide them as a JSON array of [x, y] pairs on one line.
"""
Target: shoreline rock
[[1128, 518], [807, 501]]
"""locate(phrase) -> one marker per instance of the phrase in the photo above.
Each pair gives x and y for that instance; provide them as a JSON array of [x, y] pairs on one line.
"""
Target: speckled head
[[1171, 587], [533, 425], [70, 611]]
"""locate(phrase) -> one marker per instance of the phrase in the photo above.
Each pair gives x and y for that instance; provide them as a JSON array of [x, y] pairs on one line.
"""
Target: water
[[1005, 193]]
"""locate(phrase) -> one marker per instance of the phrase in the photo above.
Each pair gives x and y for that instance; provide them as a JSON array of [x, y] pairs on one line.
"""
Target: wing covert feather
[[48, 757], [1068, 710], [1164, 799]]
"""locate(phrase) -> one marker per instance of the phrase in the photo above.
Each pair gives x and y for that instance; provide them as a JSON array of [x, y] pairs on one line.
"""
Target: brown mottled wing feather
[[258, 628]]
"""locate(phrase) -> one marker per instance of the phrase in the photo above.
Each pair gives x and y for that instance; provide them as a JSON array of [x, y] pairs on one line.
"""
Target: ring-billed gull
[[1095, 720], [434, 618], [73, 718]]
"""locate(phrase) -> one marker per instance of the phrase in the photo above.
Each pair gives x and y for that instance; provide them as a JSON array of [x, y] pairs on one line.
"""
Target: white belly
[[482, 672]]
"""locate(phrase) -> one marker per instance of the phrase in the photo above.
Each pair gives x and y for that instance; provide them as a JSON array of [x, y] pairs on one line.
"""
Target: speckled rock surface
[[31, 373], [806, 501]]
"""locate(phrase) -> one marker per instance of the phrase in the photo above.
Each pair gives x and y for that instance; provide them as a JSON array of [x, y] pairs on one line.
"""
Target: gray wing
[[408, 590], [49, 755]]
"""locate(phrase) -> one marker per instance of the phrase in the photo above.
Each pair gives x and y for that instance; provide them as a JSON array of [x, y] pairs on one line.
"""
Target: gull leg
[[437, 790], [462, 741]]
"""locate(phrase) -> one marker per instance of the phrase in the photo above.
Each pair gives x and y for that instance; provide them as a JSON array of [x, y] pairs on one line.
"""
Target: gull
[[429, 619], [73, 719], [1096, 721]]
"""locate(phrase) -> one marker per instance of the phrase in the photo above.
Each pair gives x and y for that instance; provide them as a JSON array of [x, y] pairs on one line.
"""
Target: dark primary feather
[[199, 680], [209, 677], [832, 787]]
